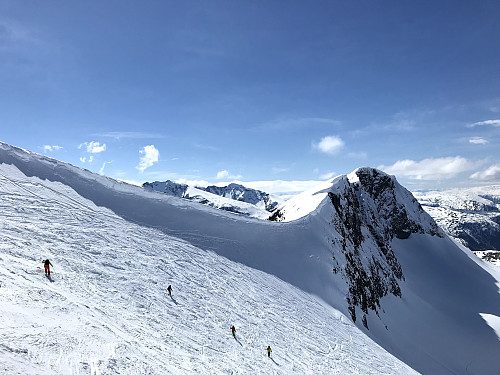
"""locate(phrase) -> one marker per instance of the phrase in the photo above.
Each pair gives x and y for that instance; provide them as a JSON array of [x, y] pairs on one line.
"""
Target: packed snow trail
[[107, 310]]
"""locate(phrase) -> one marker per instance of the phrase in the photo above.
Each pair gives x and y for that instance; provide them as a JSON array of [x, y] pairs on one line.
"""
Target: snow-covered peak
[[241, 193], [377, 191]]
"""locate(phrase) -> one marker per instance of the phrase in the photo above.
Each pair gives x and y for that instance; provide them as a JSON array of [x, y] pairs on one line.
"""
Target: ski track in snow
[[107, 311]]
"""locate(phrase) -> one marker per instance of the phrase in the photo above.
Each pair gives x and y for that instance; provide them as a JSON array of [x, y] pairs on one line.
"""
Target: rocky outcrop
[[370, 209]]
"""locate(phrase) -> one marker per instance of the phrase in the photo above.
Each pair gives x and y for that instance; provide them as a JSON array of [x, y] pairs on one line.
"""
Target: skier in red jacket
[[46, 265]]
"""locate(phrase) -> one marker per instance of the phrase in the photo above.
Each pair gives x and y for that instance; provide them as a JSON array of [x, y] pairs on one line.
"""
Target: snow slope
[[366, 249], [106, 309]]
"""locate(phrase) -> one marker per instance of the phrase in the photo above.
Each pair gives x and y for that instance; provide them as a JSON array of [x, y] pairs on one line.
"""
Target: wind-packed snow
[[116, 247], [106, 310]]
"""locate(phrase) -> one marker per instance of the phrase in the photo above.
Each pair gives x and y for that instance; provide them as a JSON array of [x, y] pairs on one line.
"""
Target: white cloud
[[478, 141], [327, 176], [490, 174], [48, 148], [280, 186], [495, 123], [430, 169], [85, 159], [225, 174], [222, 174], [151, 155], [329, 145], [93, 147]]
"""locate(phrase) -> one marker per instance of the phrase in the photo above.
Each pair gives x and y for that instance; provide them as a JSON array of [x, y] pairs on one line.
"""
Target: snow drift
[[361, 243]]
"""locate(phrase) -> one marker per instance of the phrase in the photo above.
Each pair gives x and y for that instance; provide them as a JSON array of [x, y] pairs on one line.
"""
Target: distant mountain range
[[470, 216], [233, 197]]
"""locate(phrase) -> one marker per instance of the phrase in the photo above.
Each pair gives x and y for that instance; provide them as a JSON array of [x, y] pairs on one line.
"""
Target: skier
[[233, 330], [269, 350], [169, 289], [46, 265]]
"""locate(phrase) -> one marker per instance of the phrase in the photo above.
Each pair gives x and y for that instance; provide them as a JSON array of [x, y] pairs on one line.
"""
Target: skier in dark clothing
[[269, 351], [46, 265], [169, 290], [233, 330]]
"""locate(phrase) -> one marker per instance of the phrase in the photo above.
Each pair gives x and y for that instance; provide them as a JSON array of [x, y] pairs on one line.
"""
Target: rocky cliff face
[[366, 210]]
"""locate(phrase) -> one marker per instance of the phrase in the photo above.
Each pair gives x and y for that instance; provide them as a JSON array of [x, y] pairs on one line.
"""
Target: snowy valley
[[352, 277]]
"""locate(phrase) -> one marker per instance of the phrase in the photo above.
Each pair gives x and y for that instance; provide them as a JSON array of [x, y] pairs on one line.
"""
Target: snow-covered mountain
[[243, 194], [232, 198], [358, 247], [471, 216]]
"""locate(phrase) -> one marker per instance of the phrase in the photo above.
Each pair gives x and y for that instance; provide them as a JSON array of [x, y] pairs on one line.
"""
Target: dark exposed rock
[[276, 216], [367, 214]]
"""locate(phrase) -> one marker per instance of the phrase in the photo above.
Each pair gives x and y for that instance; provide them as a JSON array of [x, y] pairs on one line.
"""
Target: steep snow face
[[106, 310], [348, 250], [471, 216], [226, 200], [366, 211]]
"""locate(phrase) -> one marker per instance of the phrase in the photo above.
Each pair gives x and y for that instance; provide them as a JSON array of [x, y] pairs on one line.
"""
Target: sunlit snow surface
[[106, 309]]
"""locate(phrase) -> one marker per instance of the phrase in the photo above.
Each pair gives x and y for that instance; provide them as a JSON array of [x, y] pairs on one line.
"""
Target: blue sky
[[276, 94]]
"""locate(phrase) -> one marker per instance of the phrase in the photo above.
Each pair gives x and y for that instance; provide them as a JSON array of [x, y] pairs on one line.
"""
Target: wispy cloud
[[357, 155], [277, 170], [206, 147], [85, 159], [495, 123], [490, 174], [430, 169], [478, 141], [299, 123], [134, 135], [226, 175], [48, 148], [93, 147], [327, 176], [401, 122], [101, 171], [329, 145], [150, 156]]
